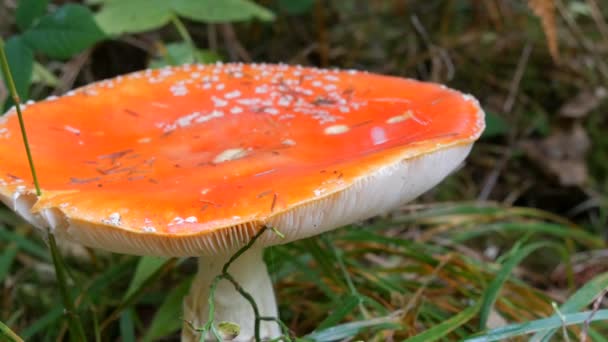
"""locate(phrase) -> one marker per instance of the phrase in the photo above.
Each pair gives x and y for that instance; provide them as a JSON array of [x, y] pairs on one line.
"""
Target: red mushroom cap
[[193, 159]]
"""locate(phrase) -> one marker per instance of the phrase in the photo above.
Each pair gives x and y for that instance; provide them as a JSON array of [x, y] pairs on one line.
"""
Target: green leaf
[[495, 126], [120, 16], [515, 256], [64, 33], [296, 6], [213, 11], [441, 330], [146, 267], [553, 322], [167, 319], [577, 301], [28, 11], [21, 61]]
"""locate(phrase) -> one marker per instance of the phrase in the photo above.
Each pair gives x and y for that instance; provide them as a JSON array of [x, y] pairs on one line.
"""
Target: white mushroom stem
[[250, 271]]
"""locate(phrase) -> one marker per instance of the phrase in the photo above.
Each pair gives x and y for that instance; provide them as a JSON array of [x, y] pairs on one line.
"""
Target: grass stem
[[76, 329], [10, 83], [6, 332]]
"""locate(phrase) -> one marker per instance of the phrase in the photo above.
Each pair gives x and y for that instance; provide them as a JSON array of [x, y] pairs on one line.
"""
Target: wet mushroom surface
[[191, 150]]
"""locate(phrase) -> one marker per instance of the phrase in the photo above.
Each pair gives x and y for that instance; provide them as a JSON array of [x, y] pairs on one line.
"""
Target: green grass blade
[[127, 326], [6, 260], [324, 259], [552, 229], [167, 319], [6, 332], [540, 325], [493, 290], [139, 290], [76, 329], [344, 331], [43, 324], [146, 267], [11, 86], [343, 308], [24, 244], [441, 330], [577, 301]]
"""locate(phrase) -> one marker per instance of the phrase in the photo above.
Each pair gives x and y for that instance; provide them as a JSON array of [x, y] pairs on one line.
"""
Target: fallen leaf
[[562, 155], [583, 103]]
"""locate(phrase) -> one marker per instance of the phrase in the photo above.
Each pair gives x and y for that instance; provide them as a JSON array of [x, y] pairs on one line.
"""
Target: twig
[[235, 49], [596, 14], [492, 178], [563, 319], [581, 38], [440, 51], [212, 37], [323, 43], [70, 71], [596, 307], [519, 73]]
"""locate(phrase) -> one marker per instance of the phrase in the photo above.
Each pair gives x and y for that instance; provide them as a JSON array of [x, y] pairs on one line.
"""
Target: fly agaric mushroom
[[194, 160]]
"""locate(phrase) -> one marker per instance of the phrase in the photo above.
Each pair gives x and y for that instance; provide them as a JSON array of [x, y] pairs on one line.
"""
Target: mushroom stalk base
[[250, 271]]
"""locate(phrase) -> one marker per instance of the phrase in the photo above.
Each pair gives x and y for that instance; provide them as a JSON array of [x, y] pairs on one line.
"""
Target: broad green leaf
[[28, 11], [213, 11], [442, 329], [553, 322], [495, 126], [146, 267], [21, 61], [119, 16], [132, 16], [167, 319], [296, 6], [64, 33], [578, 300], [491, 293]]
